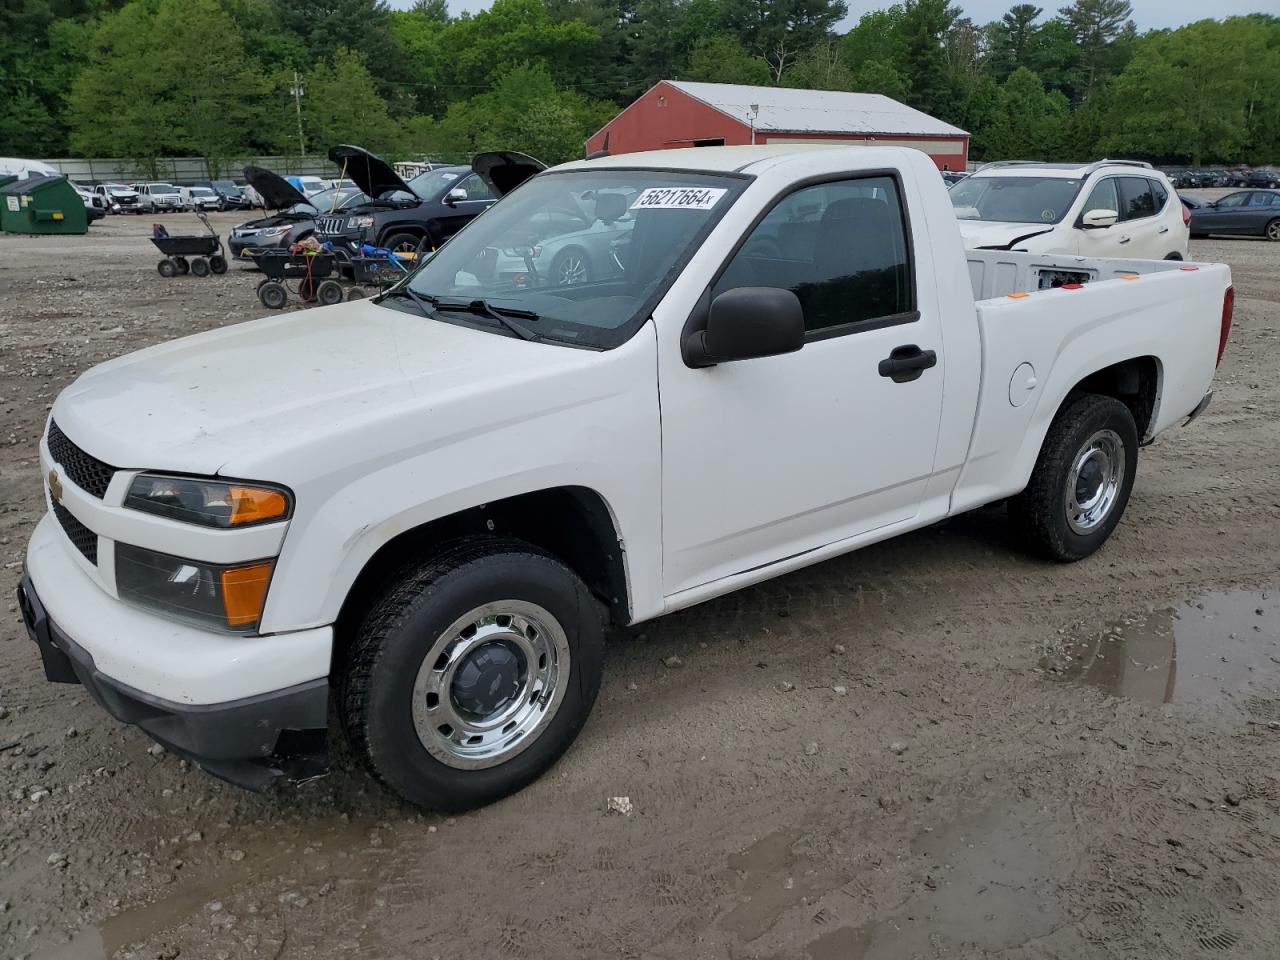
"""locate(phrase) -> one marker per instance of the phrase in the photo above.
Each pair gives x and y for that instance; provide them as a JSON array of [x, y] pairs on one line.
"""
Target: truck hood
[[253, 395], [997, 235]]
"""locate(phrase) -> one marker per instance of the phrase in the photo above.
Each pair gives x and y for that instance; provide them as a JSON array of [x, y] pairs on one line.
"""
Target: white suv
[[1112, 208]]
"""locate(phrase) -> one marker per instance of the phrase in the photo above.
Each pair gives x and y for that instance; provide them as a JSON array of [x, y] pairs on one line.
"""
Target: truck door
[[770, 458]]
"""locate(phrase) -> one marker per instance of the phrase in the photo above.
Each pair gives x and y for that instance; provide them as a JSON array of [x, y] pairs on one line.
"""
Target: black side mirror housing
[[747, 323]]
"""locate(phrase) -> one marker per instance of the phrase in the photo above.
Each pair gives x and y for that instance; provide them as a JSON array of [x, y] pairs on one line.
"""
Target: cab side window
[[1235, 200], [1135, 198], [841, 247], [1159, 194]]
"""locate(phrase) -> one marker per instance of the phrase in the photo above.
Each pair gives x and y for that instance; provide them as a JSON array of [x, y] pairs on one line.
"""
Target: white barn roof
[[816, 111]]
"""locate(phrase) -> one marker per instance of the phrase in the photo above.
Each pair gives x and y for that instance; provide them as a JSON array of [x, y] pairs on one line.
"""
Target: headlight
[[359, 223], [275, 231], [223, 597], [211, 503]]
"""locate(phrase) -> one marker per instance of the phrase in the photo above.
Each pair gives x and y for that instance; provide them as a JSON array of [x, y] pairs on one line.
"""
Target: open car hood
[[371, 174], [276, 192], [504, 170]]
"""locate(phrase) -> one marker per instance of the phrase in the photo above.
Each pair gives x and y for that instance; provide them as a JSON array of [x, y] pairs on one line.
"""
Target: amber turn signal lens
[[244, 592], [255, 504]]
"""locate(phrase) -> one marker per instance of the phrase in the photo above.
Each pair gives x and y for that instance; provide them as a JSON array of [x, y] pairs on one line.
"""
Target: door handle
[[1125, 239], [907, 363], [1163, 230]]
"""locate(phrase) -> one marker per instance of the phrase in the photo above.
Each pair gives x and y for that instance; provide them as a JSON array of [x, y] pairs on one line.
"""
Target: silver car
[[574, 242], [154, 197]]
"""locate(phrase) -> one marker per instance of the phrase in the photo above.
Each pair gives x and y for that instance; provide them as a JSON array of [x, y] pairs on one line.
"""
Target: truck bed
[[998, 273]]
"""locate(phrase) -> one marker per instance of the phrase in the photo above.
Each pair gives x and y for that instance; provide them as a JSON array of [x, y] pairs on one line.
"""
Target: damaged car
[[291, 216]]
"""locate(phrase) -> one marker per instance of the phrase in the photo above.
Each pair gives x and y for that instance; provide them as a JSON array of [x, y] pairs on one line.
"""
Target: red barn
[[677, 113]]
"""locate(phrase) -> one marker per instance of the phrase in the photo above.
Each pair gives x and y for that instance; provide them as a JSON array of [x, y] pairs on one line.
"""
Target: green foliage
[[147, 78], [523, 112], [721, 59]]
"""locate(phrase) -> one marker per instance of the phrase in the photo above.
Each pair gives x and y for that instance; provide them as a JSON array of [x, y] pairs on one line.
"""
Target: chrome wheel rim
[[490, 684], [1093, 484], [1273, 230], [572, 270]]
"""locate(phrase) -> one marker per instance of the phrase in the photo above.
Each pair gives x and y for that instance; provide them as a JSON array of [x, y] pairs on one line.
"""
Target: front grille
[[329, 225], [88, 473], [84, 539]]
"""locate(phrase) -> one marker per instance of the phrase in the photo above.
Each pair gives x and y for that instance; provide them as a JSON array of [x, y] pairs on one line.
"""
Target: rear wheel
[[329, 292], [570, 267], [200, 267], [1081, 481], [218, 263], [472, 673], [167, 268], [272, 294], [182, 265], [357, 293], [402, 242], [1273, 230]]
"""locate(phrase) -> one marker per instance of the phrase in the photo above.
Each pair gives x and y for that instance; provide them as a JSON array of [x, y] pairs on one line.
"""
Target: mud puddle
[[990, 881], [1209, 650]]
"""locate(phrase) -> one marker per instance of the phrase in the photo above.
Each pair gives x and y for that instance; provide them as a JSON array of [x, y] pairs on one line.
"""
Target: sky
[[1147, 14]]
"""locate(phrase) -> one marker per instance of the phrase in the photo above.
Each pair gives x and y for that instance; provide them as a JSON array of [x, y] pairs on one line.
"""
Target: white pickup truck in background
[[426, 509]]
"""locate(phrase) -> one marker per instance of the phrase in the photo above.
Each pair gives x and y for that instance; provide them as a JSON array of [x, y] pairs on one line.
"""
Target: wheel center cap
[[487, 680], [1089, 483]]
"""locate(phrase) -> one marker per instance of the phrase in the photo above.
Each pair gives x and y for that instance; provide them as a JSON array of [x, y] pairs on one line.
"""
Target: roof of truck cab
[[709, 159]]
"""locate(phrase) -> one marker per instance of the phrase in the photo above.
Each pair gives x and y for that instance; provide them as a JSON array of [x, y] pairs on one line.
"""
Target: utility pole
[[296, 91]]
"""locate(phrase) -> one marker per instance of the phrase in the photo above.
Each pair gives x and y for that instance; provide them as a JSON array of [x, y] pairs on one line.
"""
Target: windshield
[[1014, 199], [227, 186], [427, 185], [586, 254], [328, 200], [163, 188], [202, 192]]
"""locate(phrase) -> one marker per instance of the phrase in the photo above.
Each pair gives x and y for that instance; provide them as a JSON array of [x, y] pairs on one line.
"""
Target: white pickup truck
[[427, 509]]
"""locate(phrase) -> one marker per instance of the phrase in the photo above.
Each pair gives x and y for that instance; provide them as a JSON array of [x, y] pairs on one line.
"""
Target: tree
[[880, 76], [1011, 38], [925, 24], [721, 59], [781, 30], [524, 112], [821, 68], [1095, 24], [1030, 121], [342, 105], [878, 36], [437, 10], [171, 77], [1186, 93], [361, 25]]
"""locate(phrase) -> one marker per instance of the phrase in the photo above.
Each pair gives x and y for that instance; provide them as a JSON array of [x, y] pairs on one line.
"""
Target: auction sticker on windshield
[[678, 198]]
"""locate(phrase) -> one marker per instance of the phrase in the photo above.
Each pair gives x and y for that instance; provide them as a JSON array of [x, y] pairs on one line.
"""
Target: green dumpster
[[42, 204]]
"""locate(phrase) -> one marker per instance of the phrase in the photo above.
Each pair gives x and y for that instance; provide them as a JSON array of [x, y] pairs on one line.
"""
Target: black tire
[[329, 292], [218, 263], [272, 294], [357, 293], [182, 265], [402, 242], [570, 266], [200, 267], [1272, 231], [381, 665], [167, 268], [1039, 513]]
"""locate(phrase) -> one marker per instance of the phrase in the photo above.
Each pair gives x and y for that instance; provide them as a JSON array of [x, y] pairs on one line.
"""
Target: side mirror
[[1097, 219], [746, 323], [455, 195]]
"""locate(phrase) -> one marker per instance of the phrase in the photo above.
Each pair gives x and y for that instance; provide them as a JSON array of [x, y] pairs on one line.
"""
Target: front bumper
[[241, 247], [247, 742]]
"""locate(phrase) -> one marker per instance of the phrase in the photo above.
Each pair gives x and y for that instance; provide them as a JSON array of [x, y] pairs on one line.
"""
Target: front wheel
[[218, 263], [1081, 481], [472, 673], [402, 243]]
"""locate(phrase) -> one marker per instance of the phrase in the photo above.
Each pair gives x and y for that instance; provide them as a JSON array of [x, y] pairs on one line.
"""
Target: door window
[[476, 188], [841, 247], [1234, 200], [1104, 197], [1158, 193], [1135, 198], [1262, 199]]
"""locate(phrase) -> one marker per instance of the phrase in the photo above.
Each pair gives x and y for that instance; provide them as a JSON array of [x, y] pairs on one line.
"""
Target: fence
[[185, 170]]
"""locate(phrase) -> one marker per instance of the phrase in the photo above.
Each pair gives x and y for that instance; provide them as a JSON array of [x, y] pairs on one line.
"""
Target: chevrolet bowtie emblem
[[55, 486]]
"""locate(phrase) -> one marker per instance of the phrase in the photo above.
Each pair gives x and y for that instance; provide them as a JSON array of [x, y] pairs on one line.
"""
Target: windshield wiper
[[421, 301], [482, 308]]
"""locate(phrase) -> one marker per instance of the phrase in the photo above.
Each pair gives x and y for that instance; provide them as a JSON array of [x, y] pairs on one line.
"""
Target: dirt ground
[[936, 747]]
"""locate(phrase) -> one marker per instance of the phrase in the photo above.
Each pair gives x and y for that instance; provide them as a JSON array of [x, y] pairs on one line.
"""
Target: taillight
[[1186, 215], [1228, 308]]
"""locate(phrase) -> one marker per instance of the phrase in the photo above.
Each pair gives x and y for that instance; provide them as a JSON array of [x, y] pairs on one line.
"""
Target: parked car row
[[1234, 177]]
